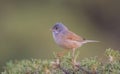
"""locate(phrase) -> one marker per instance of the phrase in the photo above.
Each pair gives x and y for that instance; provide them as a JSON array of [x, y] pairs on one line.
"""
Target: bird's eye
[[56, 28]]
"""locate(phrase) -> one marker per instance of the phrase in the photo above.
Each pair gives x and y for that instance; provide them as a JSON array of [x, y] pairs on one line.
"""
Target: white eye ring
[[56, 32]]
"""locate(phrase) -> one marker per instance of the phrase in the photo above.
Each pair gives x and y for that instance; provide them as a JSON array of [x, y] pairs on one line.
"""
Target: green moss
[[64, 65]]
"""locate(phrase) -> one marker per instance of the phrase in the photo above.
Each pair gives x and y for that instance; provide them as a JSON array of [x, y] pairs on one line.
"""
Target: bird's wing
[[74, 37]]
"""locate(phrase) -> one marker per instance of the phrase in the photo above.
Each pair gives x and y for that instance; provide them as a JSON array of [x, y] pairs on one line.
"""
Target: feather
[[87, 41]]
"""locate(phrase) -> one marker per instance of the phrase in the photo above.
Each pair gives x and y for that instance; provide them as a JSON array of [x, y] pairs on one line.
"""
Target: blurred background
[[25, 27]]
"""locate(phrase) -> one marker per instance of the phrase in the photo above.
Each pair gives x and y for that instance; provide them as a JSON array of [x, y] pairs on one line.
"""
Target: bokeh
[[25, 27]]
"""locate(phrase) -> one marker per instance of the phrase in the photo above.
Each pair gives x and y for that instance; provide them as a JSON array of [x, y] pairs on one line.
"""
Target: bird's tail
[[87, 41]]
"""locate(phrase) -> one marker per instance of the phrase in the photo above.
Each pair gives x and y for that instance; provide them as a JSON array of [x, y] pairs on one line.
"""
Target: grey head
[[59, 27]]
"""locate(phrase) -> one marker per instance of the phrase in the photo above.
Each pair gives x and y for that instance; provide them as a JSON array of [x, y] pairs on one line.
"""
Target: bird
[[67, 39]]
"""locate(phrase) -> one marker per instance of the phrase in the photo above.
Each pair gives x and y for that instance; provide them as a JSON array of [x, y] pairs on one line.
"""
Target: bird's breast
[[66, 43]]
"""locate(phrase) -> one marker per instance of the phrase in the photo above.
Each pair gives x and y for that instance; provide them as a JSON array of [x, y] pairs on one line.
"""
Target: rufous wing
[[72, 36]]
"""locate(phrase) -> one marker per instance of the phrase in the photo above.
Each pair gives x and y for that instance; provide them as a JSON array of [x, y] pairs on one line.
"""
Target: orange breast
[[68, 44]]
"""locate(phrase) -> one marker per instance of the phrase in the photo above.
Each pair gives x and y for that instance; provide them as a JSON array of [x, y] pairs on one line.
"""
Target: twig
[[64, 70], [87, 72]]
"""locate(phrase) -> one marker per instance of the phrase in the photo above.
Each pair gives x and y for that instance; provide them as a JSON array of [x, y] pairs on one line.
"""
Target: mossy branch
[[64, 65]]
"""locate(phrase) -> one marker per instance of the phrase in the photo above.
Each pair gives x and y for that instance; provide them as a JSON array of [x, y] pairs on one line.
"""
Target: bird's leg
[[73, 53], [73, 57]]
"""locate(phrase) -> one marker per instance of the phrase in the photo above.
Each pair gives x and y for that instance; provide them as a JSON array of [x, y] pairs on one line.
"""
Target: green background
[[25, 27]]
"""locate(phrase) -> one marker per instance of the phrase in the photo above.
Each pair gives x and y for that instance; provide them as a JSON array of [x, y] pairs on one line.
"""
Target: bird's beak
[[52, 30]]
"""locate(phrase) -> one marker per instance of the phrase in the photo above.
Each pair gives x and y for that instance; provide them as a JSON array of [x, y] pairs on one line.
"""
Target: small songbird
[[66, 38]]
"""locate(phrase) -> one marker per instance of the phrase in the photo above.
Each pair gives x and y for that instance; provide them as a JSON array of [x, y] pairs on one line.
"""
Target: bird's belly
[[68, 44]]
